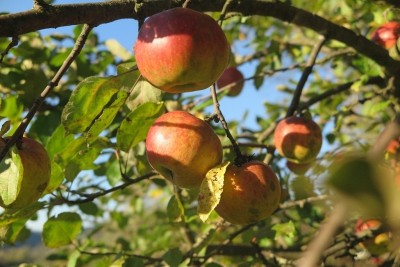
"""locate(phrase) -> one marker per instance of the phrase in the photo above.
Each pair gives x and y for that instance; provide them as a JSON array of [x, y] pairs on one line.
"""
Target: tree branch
[[99, 13]]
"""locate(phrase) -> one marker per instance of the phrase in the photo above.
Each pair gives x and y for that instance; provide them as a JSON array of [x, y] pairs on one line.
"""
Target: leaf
[[117, 49], [211, 190], [175, 209], [107, 115], [173, 257], [10, 216], [11, 174], [15, 231], [284, 229], [87, 103], [355, 178], [134, 128], [61, 230], [5, 128], [56, 178], [143, 92]]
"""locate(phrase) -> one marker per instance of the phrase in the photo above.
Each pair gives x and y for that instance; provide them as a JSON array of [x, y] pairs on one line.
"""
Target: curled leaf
[[211, 190]]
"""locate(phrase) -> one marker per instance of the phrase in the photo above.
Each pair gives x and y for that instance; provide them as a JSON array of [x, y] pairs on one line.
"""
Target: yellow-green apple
[[181, 50], [298, 168], [33, 173], [298, 139], [377, 244], [183, 148], [233, 78], [251, 193], [387, 34]]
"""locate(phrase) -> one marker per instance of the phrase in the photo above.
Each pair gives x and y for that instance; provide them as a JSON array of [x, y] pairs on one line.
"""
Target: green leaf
[[58, 141], [173, 257], [107, 115], [175, 209], [10, 216], [356, 179], [134, 128], [61, 230], [56, 178], [5, 127], [11, 108], [87, 103], [211, 190], [11, 174], [143, 92], [89, 208], [15, 231], [284, 229]]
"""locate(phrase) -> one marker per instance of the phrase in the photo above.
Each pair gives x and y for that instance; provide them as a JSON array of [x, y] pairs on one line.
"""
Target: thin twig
[[302, 202], [239, 157], [304, 77], [80, 42], [129, 181], [14, 42]]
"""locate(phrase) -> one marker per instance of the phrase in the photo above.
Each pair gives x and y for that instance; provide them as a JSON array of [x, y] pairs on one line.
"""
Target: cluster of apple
[[299, 140], [181, 50], [25, 174]]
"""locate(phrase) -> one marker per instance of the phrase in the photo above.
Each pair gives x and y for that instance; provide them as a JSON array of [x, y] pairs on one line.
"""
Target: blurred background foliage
[[150, 222]]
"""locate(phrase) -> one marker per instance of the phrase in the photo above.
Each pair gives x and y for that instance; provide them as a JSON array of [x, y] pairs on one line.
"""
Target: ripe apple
[[378, 244], [183, 148], [298, 168], [36, 170], [387, 34], [231, 77], [393, 147], [251, 193], [298, 139], [181, 50]]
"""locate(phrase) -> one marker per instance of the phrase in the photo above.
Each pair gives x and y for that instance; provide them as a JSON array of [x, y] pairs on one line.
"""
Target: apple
[[182, 148], [181, 50], [298, 139], [387, 34], [233, 78], [35, 175], [378, 244], [298, 168], [393, 147], [251, 193]]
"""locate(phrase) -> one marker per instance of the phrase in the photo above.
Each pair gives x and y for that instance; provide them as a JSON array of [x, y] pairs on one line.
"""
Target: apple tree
[[133, 156]]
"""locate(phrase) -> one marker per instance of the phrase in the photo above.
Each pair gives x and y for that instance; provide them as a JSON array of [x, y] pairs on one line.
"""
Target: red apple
[[378, 244], [181, 50], [233, 78], [298, 168], [387, 34], [393, 147], [183, 148], [35, 173], [251, 193], [298, 139]]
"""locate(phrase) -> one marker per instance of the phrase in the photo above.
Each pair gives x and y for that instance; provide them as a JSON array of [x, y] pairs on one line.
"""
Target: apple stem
[[240, 159], [53, 83]]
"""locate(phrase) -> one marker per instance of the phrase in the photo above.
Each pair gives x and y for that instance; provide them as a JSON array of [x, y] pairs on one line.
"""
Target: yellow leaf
[[211, 190]]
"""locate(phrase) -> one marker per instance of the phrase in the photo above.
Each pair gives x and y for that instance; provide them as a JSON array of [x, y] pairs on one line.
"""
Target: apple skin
[[378, 244], [183, 148], [229, 76], [181, 50], [298, 139], [387, 34], [36, 174], [251, 193], [298, 168]]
